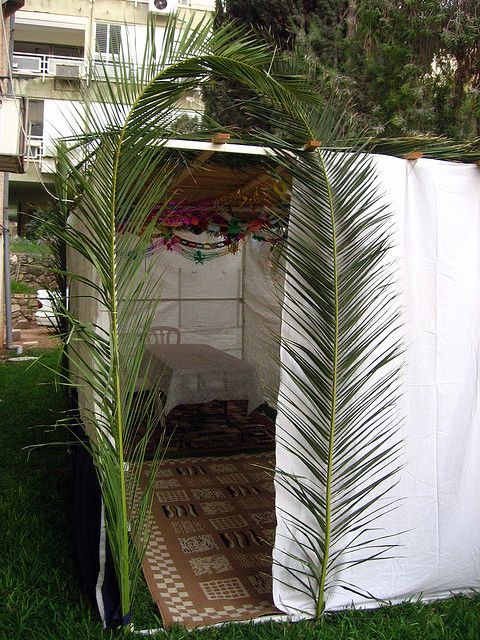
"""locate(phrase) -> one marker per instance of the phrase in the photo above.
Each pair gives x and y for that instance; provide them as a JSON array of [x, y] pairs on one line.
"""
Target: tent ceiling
[[214, 181]]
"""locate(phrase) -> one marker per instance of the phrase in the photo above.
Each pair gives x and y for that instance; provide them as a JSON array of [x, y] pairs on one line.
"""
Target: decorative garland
[[218, 218]]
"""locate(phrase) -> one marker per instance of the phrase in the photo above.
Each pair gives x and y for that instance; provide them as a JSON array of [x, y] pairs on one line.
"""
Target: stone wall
[[23, 307], [33, 269]]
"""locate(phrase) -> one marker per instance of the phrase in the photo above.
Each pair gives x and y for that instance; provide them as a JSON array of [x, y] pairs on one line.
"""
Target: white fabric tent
[[232, 304], [436, 213]]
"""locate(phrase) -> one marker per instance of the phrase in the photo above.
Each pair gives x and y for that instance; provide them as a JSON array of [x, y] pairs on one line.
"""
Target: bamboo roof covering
[[199, 183], [211, 169]]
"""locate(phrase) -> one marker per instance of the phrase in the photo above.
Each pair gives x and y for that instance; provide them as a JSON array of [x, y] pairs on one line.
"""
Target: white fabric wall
[[82, 303], [436, 211], [263, 280], [231, 302], [202, 300]]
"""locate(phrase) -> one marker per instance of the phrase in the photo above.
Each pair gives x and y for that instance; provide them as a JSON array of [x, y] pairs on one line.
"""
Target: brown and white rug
[[209, 556], [213, 429]]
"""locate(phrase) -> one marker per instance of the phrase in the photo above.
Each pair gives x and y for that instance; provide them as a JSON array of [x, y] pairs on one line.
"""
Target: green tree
[[405, 66], [414, 65]]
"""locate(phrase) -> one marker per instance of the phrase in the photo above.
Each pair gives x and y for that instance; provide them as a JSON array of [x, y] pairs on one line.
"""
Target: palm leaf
[[340, 359]]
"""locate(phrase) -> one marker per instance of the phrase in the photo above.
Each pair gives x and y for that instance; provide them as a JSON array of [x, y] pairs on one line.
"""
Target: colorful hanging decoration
[[199, 257], [231, 219]]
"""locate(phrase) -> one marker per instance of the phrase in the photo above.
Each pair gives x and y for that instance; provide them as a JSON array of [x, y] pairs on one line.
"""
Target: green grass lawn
[[39, 596], [21, 287], [23, 245]]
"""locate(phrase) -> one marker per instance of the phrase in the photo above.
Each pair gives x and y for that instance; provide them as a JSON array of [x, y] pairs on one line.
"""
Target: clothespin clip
[[220, 138]]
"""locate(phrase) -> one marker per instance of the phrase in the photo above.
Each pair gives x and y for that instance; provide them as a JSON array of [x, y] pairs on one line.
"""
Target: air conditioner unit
[[23, 63], [162, 7], [12, 140], [68, 69]]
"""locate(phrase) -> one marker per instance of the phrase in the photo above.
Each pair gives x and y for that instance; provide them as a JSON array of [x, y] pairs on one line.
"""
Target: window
[[35, 117], [40, 48], [108, 39], [36, 110]]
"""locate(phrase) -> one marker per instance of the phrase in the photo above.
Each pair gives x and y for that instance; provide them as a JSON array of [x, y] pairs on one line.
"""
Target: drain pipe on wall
[[6, 229], [6, 269]]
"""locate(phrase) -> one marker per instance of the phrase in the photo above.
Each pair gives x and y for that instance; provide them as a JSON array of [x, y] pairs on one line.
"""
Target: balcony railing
[[48, 66], [35, 152], [34, 148]]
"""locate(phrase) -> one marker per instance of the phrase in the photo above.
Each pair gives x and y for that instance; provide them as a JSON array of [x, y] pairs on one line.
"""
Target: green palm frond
[[341, 354], [436, 147]]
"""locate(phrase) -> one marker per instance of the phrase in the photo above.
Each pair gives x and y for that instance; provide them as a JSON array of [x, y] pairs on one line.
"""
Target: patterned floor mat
[[215, 428], [209, 555]]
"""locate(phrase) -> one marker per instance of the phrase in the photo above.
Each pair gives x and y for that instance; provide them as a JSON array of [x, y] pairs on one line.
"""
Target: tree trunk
[[352, 18]]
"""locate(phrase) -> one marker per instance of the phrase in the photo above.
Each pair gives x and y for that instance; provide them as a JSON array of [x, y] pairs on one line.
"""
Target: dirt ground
[[33, 338]]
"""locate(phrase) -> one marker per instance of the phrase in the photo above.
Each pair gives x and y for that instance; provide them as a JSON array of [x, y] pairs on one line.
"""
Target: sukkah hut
[[376, 328], [228, 297]]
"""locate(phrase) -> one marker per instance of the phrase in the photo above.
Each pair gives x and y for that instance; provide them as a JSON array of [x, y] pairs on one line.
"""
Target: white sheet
[[262, 315], [198, 374], [203, 301], [436, 208]]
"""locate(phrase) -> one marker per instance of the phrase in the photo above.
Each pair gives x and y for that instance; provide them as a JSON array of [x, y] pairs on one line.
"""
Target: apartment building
[[61, 48], [9, 7]]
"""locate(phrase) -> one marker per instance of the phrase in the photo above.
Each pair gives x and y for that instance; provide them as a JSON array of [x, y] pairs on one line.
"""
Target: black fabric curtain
[[93, 557]]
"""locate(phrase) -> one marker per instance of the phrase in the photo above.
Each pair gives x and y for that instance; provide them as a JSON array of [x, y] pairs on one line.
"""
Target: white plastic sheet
[[436, 215]]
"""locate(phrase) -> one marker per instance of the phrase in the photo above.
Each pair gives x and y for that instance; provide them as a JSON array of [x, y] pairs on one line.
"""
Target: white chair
[[160, 335]]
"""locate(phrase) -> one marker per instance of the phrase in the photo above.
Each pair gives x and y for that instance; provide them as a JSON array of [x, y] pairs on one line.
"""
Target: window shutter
[[101, 31], [115, 39]]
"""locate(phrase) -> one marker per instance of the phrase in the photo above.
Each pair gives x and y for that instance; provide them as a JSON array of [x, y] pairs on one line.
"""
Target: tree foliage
[[405, 67]]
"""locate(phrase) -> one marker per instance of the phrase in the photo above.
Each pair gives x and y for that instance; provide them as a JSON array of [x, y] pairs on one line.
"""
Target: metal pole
[[6, 268], [6, 229]]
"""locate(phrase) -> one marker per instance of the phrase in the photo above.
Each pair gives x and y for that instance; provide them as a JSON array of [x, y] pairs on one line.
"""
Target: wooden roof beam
[[187, 172], [311, 145], [218, 138], [255, 182], [413, 155], [260, 179]]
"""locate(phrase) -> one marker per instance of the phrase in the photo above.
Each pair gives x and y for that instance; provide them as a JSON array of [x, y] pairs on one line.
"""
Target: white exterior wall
[[65, 22]]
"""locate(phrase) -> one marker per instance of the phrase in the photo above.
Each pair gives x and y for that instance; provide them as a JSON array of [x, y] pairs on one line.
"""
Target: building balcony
[[48, 66], [38, 161]]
